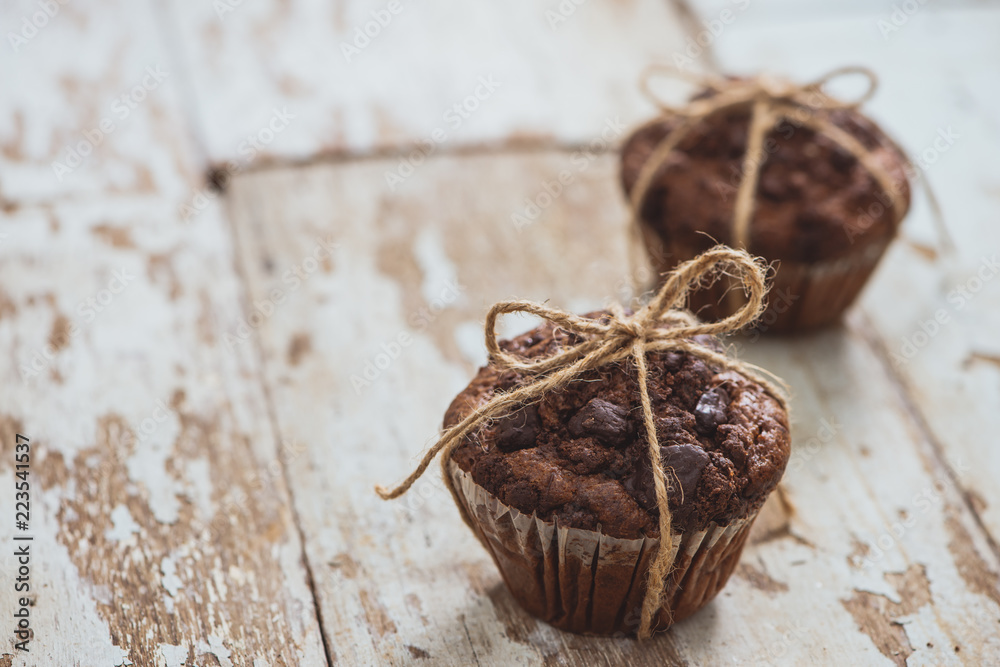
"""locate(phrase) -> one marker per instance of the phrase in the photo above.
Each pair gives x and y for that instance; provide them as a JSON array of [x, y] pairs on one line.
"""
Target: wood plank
[[163, 532], [90, 106], [931, 315], [171, 541], [559, 75], [879, 511], [941, 341], [781, 11], [398, 581]]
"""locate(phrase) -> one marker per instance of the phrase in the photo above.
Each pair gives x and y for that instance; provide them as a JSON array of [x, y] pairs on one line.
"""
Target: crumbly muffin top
[[815, 201], [580, 454]]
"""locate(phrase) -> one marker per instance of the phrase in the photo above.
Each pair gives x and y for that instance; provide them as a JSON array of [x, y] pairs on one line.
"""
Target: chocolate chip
[[841, 159], [672, 361], [687, 462], [711, 410], [518, 430], [603, 420]]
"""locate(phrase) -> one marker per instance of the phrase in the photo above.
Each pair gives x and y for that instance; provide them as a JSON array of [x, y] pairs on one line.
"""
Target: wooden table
[[186, 361]]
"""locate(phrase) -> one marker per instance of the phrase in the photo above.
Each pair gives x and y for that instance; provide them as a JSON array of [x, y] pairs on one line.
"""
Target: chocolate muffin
[[820, 216], [561, 491]]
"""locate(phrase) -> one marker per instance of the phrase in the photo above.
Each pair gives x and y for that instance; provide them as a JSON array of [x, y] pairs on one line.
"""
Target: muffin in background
[[819, 215]]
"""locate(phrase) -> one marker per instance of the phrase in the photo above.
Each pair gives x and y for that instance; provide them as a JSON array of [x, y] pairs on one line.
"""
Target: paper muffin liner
[[803, 295], [586, 582]]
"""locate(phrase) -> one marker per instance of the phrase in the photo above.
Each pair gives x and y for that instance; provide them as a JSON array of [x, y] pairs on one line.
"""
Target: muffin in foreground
[[822, 216], [561, 491]]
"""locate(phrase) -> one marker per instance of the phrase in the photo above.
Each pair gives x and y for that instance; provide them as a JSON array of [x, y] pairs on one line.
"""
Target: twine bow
[[659, 326], [771, 101]]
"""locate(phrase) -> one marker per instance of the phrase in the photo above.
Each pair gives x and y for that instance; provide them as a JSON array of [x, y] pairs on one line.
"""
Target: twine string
[[612, 339], [772, 101]]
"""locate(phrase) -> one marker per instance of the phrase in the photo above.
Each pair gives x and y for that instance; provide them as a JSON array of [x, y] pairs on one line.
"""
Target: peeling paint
[[879, 617], [760, 579], [170, 581], [123, 526]]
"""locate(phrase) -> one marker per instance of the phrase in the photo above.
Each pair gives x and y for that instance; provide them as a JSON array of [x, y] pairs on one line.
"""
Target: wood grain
[[214, 384], [560, 70], [163, 532], [780, 11], [932, 310], [392, 575], [90, 106]]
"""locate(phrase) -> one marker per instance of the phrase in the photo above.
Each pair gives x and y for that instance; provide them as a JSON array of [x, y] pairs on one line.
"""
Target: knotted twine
[[615, 338], [771, 101]]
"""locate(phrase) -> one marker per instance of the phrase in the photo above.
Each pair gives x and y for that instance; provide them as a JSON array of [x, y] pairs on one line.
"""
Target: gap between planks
[[872, 339], [213, 177], [932, 444], [241, 271], [517, 146], [170, 37]]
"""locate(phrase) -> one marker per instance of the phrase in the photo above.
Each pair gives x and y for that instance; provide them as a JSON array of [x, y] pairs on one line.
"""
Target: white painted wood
[[393, 575], [875, 503], [952, 370], [559, 77], [781, 11], [932, 315], [163, 532], [879, 549], [90, 104]]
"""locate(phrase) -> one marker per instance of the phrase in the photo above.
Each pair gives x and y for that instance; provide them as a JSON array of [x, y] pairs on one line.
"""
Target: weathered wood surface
[[394, 576], [782, 11], [163, 532], [90, 104], [558, 71], [204, 456], [939, 344]]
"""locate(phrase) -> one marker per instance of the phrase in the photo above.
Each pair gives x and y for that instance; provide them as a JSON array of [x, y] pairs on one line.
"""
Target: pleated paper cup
[[590, 583], [802, 295]]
